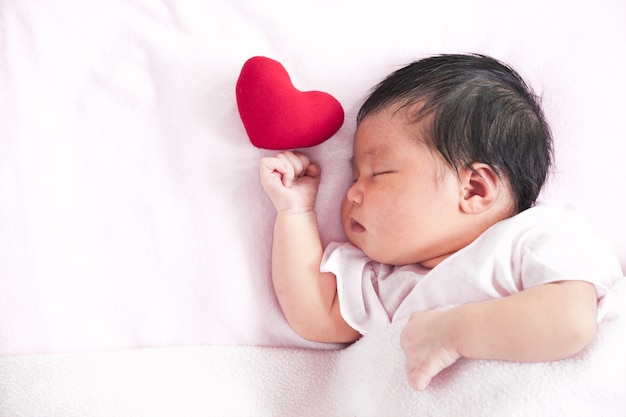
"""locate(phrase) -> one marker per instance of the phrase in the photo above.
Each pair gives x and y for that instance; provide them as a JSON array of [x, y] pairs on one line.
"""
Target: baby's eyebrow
[[372, 153]]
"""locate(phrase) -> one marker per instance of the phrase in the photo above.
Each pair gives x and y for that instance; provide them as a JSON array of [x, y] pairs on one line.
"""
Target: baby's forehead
[[388, 132]]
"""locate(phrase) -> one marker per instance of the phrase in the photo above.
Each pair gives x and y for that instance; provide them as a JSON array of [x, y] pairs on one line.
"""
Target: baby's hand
[[428, 345], [291, 181]]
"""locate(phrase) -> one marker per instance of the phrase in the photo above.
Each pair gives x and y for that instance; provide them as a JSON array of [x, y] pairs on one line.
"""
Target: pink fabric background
[[131, 213]]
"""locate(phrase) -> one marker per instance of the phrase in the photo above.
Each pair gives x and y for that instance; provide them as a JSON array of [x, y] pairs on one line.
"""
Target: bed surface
[[135, 236]]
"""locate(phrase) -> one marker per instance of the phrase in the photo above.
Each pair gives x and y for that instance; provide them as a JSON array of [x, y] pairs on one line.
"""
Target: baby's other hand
[[428, 344], [291, 181]]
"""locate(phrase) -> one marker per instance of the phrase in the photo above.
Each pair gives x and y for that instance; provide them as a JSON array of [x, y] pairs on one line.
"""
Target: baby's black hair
[[478, 109]]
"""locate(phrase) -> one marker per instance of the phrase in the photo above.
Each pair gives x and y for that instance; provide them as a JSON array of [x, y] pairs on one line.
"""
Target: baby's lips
[[356, 226]]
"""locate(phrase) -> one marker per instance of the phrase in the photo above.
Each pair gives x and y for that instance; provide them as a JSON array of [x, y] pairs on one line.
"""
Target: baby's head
[[444, 148], [475, 109]]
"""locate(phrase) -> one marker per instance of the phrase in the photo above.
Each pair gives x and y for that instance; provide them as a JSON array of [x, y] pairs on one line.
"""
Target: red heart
[[278, 116]]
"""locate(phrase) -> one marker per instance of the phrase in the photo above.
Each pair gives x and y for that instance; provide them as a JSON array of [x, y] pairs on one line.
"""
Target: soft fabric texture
[[132, 215], [131, 211], [366, 379], [276, 115], [541, 245]]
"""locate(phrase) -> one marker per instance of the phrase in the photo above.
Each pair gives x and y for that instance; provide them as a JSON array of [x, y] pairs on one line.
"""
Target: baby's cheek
[[343, 214], [345, 208]]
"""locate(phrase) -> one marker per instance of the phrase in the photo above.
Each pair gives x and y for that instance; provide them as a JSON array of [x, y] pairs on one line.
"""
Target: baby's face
[[401, 207]]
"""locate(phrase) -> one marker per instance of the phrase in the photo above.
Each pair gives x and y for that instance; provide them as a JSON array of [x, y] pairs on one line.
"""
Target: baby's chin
[[383, 257], [389, 259], [354, 243], [373, 254], [358, 245]]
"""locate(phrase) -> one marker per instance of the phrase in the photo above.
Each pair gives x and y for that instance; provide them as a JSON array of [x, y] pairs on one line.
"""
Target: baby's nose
[[355, 194]]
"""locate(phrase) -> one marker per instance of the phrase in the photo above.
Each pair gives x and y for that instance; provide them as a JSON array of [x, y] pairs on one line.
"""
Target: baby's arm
[[544, 323], [307, 297]]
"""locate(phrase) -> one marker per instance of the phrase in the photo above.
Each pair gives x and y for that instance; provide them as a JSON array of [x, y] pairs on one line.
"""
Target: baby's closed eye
[[383, 172]]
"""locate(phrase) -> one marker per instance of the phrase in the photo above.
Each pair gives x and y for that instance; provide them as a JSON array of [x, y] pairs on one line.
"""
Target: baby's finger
[[298, 161], [419, 379], [270, 166], [286, 168], [303, 166], [313, 171]]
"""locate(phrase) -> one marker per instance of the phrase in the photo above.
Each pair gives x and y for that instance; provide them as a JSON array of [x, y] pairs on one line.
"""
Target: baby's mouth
[[356, 227]]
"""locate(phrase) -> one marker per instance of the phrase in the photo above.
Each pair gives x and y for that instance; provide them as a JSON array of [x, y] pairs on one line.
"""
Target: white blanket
[[366, 379]]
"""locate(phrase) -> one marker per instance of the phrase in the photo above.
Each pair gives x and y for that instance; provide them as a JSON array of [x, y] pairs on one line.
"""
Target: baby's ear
[[480, 188]]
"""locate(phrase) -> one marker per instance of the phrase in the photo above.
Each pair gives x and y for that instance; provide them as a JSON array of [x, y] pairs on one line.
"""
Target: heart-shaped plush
[[278, 116]]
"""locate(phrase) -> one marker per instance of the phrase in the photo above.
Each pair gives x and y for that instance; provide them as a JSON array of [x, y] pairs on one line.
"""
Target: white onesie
[[538, 246]]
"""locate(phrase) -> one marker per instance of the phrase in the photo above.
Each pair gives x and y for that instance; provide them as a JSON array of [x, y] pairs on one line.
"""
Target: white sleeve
[[357, 290], [570, 255]]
